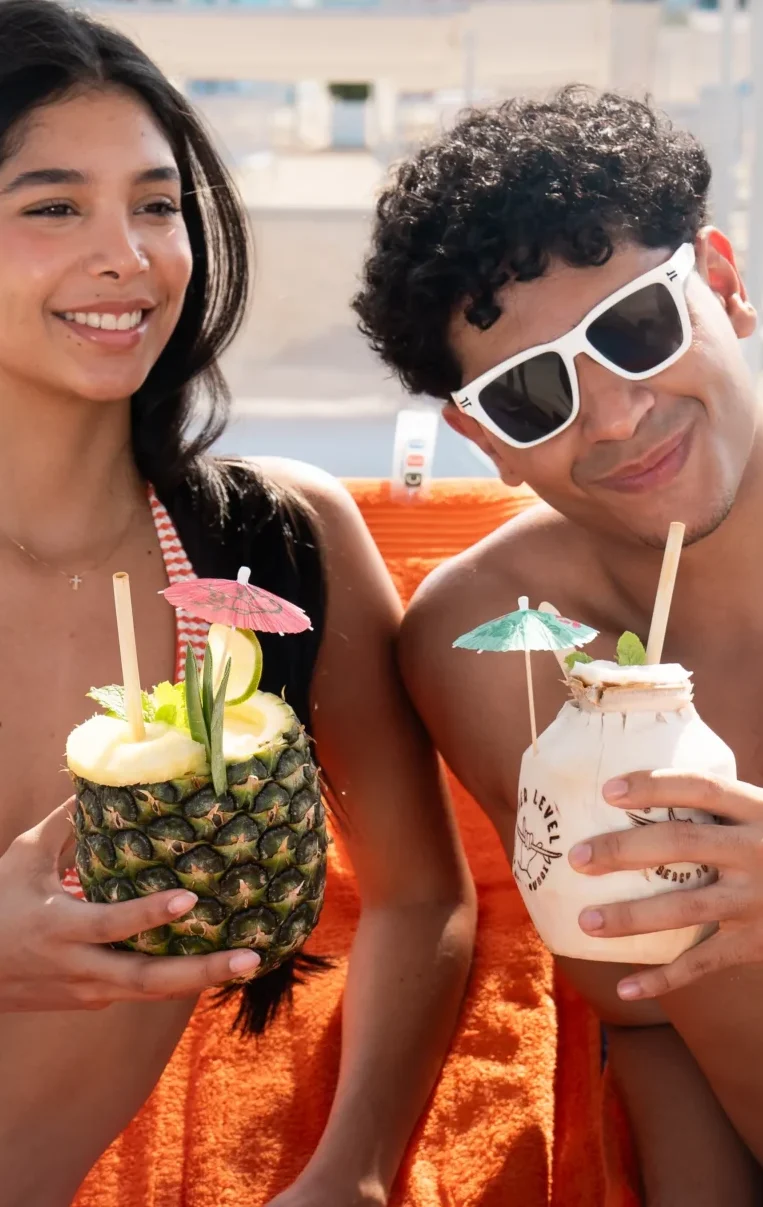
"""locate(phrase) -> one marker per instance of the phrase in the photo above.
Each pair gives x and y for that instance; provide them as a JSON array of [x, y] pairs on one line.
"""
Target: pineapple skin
[[256, 857]]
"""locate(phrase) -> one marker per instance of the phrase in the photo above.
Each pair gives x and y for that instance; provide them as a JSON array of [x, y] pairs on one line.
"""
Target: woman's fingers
[[667, 842], [730, 799], [127, 975], [667, 911], [83, 922], [38, 849]]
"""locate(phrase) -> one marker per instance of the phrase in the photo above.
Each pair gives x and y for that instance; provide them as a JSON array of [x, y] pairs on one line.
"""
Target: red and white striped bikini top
[[179, 570]]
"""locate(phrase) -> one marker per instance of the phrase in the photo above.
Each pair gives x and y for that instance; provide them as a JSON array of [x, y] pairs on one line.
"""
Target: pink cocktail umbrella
[[240, 605]]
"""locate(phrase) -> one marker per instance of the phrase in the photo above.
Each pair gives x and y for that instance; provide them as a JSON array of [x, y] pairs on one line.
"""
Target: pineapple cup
[[236, 816]]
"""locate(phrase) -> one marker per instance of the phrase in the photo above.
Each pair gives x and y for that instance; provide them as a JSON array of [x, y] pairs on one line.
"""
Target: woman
[[123, 275]]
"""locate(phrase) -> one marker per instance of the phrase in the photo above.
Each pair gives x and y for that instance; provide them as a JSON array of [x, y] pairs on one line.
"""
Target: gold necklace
[[75, 580]]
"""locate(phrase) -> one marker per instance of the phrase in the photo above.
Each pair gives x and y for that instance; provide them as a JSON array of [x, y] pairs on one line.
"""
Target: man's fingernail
[[629, 990], [244, 961], [580, 855], [181, 903], [591, 919], [615, 789]]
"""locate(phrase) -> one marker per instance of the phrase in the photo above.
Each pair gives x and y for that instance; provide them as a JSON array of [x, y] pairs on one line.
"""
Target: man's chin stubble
[[698, 532]]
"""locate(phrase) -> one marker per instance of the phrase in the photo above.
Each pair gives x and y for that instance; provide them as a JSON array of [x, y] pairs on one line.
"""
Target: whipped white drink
[[620, 719]]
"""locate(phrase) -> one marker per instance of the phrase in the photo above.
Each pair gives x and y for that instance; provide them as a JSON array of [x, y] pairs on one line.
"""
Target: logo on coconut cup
[[698, 873], [537, 839]]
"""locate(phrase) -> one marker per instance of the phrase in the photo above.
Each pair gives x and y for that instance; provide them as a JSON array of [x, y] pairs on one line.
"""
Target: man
[[500, 238]]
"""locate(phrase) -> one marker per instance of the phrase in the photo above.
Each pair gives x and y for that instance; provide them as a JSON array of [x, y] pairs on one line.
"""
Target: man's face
[[640, 453]]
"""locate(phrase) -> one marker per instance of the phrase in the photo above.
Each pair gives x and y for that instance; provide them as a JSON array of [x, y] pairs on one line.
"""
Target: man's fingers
[[721, 951], [83, 922], [731, 799], [669, 842], [126, 975], [667, 911]]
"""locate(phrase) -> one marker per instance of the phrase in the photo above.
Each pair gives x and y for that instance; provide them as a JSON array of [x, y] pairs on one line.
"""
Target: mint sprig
[[576, 656], [112, 701], [630, 651]]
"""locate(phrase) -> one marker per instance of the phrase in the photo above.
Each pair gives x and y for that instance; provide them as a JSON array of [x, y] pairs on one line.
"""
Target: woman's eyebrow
[[54, 176]]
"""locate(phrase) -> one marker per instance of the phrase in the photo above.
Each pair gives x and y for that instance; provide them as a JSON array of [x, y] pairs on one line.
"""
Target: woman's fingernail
[[580, 855], [181, 903], [591, 919], [244, 961], [615, 789], [629, 990]]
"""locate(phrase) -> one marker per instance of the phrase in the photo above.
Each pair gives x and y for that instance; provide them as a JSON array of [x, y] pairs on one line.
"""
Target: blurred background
[[312, 101]]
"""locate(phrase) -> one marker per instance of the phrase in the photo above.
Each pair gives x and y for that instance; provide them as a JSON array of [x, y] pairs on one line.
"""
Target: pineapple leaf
[[194, 709], [112, 701], [576, 656], [216, 758], [207, 688], [630, 651]]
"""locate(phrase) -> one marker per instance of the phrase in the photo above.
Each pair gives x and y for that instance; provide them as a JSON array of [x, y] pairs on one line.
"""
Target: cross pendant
[[76, 582]]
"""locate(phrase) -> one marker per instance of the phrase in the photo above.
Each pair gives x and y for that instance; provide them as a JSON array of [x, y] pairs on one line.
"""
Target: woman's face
[[94, 253]]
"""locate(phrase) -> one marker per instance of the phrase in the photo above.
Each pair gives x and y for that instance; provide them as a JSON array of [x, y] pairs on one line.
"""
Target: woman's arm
[[412, 950]]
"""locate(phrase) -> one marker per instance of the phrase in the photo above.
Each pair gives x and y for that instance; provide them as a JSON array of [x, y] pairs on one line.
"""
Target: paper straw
[[664, 593], [129, 654]]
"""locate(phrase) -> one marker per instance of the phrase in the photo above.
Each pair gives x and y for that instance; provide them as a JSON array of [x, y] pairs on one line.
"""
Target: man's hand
[[51, 946], [734, 900]]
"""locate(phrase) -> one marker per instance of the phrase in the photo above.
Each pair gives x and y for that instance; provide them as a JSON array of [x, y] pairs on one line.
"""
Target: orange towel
[[515, 1118]]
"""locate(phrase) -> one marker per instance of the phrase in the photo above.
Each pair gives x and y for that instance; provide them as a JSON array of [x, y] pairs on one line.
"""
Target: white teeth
[[105, 322]]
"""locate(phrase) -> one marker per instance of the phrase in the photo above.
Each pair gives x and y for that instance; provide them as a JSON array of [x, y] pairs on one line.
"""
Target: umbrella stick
[[223, 658], [244, 575], [664, 595], [560, 655], [129, 654], [531, 701]]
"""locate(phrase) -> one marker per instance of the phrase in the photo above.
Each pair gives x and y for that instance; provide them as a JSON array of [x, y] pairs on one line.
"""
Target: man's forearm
[[405, 984]]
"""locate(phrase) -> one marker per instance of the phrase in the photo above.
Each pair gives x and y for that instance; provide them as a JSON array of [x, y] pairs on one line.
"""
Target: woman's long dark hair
[[48, 52]]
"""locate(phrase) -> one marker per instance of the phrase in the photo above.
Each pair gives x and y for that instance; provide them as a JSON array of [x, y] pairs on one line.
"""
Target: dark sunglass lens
[[639, 333], [530, 401]]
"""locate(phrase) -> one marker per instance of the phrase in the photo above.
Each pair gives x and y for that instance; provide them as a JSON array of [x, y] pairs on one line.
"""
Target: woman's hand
[[734, 900], [50, 953]]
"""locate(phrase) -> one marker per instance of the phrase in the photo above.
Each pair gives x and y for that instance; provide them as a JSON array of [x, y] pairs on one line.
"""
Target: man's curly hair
[[495, 197]]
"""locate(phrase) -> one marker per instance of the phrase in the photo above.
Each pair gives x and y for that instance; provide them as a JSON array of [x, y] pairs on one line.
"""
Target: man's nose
[[611, 407]]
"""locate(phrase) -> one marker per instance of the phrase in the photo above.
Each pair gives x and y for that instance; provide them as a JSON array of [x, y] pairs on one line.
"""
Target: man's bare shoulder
[[538, 553]]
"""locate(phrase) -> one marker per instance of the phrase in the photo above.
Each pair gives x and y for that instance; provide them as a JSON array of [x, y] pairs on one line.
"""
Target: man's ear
[[717, 264], [497, 450]]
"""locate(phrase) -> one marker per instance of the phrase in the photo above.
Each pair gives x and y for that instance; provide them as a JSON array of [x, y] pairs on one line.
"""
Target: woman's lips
[[109, 338], [657, 469]]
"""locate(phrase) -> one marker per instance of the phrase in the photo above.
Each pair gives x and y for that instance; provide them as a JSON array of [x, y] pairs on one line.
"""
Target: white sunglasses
[[636, 332]]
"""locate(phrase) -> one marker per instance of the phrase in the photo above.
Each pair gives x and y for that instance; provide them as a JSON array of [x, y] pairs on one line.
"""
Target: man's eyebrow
[[55, 176]]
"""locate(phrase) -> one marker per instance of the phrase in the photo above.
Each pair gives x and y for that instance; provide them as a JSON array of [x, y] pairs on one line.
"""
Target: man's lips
[[657, 468]]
